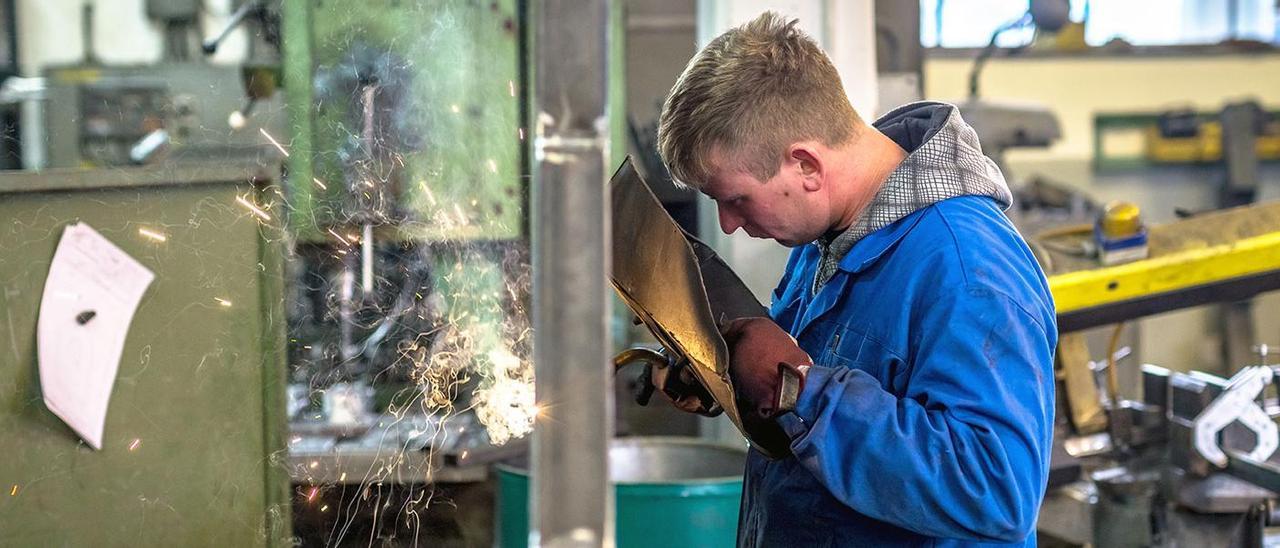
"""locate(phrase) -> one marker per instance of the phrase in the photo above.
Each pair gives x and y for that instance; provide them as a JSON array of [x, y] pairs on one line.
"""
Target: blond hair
[[753, 91]]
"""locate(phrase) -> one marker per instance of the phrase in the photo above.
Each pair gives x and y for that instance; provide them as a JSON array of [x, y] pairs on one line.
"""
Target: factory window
[[969, 23]]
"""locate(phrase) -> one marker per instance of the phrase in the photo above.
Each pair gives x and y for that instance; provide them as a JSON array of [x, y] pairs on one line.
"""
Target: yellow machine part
[[1205, 147], [1208, 249]]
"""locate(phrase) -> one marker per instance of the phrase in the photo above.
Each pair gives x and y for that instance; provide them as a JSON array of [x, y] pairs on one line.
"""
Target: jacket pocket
[[844, 348], [850, 347]]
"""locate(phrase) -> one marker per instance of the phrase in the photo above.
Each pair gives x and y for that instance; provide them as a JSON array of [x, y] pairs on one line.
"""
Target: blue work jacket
[[927, 417]]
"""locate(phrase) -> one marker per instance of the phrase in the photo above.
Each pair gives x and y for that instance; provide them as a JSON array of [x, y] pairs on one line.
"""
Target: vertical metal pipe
[[571, 499]]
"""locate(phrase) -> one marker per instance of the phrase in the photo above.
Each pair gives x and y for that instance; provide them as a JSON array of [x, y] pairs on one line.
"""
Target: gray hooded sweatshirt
[[944, 160]]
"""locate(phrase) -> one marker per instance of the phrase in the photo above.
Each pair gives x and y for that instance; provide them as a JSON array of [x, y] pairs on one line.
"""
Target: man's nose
[[729, 222]]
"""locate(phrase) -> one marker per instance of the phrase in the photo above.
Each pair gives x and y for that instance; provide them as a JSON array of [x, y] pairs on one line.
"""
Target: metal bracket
[[1238, 403]]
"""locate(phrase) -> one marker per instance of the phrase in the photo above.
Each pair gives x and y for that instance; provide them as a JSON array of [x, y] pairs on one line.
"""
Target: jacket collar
[[870, 248]]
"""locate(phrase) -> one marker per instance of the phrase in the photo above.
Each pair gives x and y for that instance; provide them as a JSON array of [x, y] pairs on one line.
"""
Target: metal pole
[[571, 500]]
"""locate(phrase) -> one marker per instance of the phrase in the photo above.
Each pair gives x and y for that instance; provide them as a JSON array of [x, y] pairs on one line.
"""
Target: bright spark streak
[[324, 508], [521, 132], [135, 444], [430, 197], [455, 108], [152, 234], [511, 86], [274, 142], [14, 492], [312, 495], [493, 166], [223, 302], [253, 208], [320, 184], [343, 477], [314, 464], [338, 236]]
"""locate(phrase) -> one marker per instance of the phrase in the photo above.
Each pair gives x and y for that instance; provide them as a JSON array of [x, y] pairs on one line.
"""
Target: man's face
[[782, 208]]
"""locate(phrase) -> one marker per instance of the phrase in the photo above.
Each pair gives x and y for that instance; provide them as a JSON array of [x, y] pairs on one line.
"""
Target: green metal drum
[[669, 492]]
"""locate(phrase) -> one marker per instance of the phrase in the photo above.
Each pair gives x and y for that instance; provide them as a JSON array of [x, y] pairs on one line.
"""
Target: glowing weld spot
[[152, 234]]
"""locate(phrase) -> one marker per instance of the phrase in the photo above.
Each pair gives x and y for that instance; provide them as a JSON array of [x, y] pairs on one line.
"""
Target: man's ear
[[808, 160]]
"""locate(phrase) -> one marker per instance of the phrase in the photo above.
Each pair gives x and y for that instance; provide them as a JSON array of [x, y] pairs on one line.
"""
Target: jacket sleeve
[[963, 451]]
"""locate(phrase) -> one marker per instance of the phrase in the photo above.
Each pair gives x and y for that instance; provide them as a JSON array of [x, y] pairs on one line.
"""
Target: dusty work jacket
[[927, 417]]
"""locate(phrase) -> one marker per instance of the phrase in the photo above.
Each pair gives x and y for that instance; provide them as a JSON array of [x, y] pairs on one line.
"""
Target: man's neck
[[870, 160]]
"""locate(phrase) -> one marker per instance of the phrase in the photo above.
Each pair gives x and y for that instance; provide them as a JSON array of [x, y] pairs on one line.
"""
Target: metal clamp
[[1238, 403]]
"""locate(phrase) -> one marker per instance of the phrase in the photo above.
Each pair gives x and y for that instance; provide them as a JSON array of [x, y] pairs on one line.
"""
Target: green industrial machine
[[193, 447], [405, 115], [408, 209]]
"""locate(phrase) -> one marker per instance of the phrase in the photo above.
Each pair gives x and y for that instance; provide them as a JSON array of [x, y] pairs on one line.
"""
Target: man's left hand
[[760, 355]]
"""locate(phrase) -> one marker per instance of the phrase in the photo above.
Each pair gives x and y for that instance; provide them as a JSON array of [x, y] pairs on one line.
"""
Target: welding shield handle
[[672, 375]]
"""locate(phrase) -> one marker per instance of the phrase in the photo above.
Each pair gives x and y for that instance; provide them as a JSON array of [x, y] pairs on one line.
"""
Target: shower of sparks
[[223, 302], [253, 208], [320, 184], [134, 445], [274, 142], [152, 234]]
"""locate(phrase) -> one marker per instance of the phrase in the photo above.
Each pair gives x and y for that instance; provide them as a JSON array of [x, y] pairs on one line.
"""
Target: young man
[[925, 414]]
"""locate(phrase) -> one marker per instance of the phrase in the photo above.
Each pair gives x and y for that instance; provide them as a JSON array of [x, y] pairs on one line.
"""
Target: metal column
[[571, 500]]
